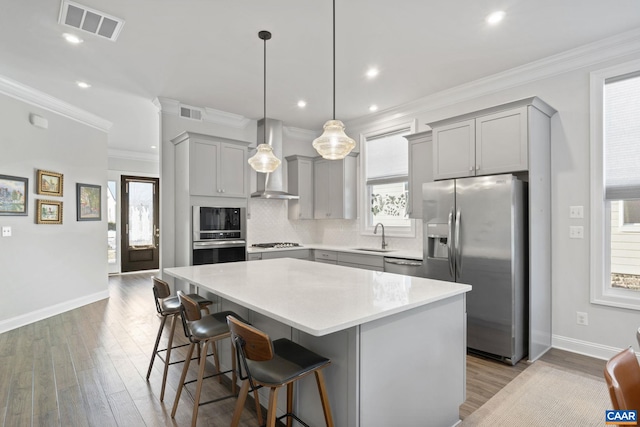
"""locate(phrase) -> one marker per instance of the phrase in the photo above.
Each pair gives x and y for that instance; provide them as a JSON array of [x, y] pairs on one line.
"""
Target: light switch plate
[[6, 231], [576, 232], [576, 211]]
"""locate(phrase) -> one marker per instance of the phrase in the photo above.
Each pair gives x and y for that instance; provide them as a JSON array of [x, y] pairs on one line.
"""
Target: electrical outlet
[[582, 318], [576, 212], [6, 231], [576, 232]]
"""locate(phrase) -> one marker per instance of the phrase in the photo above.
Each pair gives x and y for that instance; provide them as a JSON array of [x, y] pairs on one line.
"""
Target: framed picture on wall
[[88, 202], [49, 183], [49, 212], [14, 193]]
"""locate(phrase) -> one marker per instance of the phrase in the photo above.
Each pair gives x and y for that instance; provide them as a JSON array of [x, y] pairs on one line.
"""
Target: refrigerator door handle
[[450, 245], [458, 248]]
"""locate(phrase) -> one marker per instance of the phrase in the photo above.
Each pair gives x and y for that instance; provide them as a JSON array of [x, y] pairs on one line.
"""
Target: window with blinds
[[621, 128], [622, 137], [386, 173]]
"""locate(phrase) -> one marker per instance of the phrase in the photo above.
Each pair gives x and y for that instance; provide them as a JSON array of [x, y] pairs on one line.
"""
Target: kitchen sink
[[373, 250]]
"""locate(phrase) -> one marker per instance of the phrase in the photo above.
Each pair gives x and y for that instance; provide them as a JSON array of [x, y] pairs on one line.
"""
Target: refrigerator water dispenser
[[437, 238]]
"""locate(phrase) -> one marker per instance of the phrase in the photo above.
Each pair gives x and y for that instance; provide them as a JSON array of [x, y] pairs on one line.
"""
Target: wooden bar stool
[[274, 365], [205, 331], [622, 374], [168, 306]]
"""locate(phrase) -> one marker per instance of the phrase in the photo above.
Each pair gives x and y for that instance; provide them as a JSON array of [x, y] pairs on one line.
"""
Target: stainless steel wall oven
[[218, 235]]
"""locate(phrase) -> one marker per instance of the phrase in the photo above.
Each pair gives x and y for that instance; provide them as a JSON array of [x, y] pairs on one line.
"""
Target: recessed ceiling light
[[495, 17], [302, 103], [72, 38], [373, 108], [83, 85], [372, 72]]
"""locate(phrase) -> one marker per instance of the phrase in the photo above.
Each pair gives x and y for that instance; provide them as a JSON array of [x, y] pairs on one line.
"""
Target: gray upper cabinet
[[501, 142], [233, 170], [487, 142], [454, 150], [335, 188], [300, 183], [216, 166], [420, 169]]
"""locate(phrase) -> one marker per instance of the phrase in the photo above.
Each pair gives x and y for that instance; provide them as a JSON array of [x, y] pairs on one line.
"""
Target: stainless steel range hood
[[270, 185]]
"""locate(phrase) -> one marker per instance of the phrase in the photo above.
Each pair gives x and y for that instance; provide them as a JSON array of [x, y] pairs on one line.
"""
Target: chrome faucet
[[375, 231]]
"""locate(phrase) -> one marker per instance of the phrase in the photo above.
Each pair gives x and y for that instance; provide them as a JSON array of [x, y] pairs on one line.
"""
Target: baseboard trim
[[43, 313], [585, 348]]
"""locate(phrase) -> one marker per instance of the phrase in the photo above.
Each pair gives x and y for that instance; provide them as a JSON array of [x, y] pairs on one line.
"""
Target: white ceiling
[[207, 53]]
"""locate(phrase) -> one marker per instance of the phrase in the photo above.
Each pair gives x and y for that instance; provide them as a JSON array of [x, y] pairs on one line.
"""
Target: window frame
[[366, 227], [627, 227], [600, 226]]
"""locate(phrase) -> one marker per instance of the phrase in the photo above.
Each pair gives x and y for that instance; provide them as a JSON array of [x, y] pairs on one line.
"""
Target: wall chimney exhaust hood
[[270, 185]]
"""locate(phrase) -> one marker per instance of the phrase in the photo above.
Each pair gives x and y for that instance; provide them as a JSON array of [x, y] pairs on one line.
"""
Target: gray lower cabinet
[[296, 253], [334, 188], [367, 262], [348, 259], [328, 257], [254, 256]]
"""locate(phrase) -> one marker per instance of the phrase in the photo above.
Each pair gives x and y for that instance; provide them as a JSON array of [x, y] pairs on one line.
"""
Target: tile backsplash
[[268, 222]]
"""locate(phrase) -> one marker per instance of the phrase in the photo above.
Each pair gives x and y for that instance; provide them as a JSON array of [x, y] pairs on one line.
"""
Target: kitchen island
[[397, 343]]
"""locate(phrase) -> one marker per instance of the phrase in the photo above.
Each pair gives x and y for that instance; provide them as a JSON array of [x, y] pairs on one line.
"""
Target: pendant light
[[334, 144], [264, 160]]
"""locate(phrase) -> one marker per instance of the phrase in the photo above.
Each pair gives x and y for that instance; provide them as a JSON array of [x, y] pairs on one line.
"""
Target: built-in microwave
[[218, 235], [211, 223]]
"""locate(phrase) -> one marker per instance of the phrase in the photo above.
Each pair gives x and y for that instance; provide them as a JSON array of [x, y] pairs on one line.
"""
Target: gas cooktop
[[276, 245]]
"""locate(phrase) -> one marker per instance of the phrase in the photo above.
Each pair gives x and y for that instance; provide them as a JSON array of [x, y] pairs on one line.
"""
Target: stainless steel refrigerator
[[474, 233]]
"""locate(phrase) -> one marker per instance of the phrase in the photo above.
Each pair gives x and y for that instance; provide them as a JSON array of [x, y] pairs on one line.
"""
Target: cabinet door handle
[[477, 167], [470, 168]]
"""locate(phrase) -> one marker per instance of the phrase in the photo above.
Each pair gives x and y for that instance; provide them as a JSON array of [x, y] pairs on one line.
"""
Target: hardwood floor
[[87, 367]]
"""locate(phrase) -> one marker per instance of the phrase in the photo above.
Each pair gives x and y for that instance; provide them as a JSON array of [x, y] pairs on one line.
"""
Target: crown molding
[[627, 43], [224, 118], [132, 155], [40, 99], [211, 115], [300, 133]]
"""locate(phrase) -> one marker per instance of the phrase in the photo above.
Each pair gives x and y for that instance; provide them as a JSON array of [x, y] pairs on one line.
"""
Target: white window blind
[[622, 137], [386, 158]]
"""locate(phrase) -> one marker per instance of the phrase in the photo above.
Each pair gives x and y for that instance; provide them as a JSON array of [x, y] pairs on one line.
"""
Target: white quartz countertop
[[393, 253], [316, 298]]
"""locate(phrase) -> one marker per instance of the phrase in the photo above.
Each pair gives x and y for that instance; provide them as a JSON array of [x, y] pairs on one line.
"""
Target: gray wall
[[46, 269]]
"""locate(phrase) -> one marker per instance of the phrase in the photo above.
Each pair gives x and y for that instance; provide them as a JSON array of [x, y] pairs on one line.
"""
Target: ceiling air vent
[[90, 20], [190, 113]]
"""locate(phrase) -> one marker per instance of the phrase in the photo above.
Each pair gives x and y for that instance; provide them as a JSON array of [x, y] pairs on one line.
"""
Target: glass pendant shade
[[333, 144], [264, 160]]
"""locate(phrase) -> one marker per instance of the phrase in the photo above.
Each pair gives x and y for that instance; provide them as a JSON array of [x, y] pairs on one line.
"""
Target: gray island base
[[397, 343]]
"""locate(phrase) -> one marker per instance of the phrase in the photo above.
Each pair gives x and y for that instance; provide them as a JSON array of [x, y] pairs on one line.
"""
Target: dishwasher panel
[[409, 267]]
